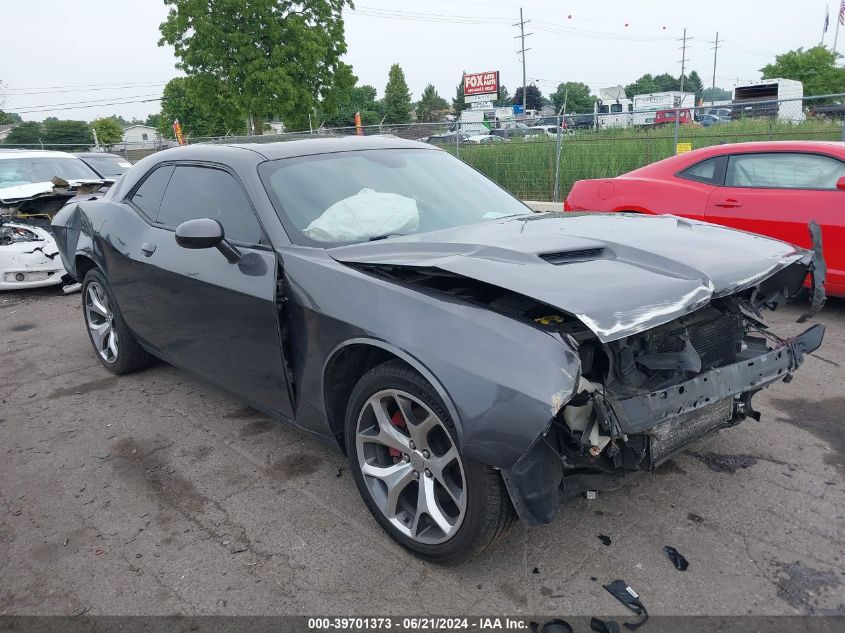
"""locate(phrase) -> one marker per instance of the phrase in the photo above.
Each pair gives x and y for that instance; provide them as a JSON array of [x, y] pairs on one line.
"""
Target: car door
[[778, 193], [212, 317]]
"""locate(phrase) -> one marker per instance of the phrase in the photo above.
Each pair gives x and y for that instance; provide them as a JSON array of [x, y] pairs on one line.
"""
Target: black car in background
[[476, 361], [109, 166]]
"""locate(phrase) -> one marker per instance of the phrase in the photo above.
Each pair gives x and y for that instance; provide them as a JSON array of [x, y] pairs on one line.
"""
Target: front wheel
[[114, 344], [408, 468]]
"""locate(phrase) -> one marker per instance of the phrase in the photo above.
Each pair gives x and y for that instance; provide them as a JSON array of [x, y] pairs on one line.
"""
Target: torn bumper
[[655, 425], [641, 413]]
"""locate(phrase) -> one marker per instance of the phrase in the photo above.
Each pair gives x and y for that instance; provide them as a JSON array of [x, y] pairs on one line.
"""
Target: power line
[[95, 105], [18, 92], [50, 106], [103, 86]]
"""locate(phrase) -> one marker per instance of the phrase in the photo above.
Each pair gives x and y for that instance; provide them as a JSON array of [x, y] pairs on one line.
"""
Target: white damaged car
[[34, 185], [28, 257]]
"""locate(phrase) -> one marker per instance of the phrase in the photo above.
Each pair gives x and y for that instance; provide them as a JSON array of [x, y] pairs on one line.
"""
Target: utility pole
[[522, 35], [678, 99], [715, 53]]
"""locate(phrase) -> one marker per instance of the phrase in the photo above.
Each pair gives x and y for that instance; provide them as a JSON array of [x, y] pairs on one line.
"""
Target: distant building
[[143, 137]]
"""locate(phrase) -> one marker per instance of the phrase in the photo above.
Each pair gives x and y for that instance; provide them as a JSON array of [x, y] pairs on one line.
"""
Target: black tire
[[489, 514], [130, 355]]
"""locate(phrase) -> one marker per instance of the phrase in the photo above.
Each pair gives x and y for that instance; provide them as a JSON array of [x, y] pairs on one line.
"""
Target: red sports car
[[772, 188]]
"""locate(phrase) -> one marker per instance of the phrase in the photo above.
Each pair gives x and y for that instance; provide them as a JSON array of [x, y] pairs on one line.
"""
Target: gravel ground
[[157, 494]]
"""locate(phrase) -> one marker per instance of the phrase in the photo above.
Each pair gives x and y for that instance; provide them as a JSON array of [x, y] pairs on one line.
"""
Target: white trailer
[[647, 106], [613, 108], [780, 98]]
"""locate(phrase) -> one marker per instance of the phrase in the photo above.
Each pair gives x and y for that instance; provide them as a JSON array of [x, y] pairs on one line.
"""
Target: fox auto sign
[[484, 84]]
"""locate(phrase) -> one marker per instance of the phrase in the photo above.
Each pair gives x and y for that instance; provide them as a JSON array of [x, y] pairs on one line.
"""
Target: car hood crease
[[618, 274]]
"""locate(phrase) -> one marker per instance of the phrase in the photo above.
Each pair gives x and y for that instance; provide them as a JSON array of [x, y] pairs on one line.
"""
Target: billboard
[[481, 84]]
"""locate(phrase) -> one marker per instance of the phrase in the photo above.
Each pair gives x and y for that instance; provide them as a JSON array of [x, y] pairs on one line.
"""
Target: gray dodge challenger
[[477, 362]]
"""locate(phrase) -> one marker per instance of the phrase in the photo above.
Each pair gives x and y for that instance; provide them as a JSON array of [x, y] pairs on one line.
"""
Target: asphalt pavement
[[156, 493]]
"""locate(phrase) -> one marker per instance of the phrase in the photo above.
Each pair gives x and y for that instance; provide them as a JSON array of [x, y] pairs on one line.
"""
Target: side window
[[783, 170], [706, 171], [205, 192], [148, 196]]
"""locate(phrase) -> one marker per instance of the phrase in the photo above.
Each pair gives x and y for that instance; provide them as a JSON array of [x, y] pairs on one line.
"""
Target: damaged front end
[[29, 257], [643, 398]]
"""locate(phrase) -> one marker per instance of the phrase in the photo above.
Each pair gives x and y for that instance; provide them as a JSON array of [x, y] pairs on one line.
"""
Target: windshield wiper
[[385, 236]]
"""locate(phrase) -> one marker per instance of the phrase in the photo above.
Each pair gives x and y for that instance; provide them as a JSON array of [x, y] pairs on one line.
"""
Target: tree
[[431, 106], [272, 57], [7, 118], [694, 84], [397, 97], [66, 136], [642, 86], [25, 134], [504, 99], [666, 82], [715, 94], [576, 95], [153, 120], [185, 98], [533, 97], [815, 68], [109, 131], [459, 103]]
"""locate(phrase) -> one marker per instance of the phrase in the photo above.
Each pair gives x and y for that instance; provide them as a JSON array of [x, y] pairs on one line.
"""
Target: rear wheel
[[408, 468], [113, 343]]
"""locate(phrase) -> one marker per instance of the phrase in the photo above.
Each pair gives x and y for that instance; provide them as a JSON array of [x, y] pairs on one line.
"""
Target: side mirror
[[206, 233], [840, 184]]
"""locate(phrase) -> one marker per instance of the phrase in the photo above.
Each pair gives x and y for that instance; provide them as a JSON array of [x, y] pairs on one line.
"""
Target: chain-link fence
[[540, 159]]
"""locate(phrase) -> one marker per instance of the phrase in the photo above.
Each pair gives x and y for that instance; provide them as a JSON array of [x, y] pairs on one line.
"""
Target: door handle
[[728, 203], [148, 249]]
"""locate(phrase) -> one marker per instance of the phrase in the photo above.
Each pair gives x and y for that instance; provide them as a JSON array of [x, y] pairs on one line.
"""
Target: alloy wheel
[[100, 320], [411, 466]]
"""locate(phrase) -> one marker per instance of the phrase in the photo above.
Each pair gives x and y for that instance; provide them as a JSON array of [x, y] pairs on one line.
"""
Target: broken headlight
[[13, 234]]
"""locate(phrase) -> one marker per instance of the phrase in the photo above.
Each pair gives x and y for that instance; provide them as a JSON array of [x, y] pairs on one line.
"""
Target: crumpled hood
[[618, 274], [19, 193]]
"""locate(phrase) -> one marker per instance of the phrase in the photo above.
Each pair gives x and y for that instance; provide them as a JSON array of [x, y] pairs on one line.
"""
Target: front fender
[[503, 379]]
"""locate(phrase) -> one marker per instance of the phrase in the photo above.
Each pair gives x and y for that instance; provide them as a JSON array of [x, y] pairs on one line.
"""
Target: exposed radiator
[[677, 432], [716, 341]]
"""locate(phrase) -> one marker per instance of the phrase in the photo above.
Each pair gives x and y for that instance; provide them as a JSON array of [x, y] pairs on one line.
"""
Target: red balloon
[[569, 16], [626, 24]]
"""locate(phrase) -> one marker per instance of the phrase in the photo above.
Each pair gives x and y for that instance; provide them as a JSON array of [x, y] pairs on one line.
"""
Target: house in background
[[143, 137]]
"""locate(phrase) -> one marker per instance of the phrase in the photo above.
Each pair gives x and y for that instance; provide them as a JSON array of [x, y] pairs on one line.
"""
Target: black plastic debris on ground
[[677, 558], [552, 626], [605, 539], [620, 590], [604, 626]]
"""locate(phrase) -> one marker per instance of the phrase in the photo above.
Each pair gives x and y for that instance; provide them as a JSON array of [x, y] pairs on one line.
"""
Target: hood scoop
[[580, 255]]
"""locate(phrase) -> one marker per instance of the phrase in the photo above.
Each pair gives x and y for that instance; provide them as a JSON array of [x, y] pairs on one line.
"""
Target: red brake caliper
[[397, 421]]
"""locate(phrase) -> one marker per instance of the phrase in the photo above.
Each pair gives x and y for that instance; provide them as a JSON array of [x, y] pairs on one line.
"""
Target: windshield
[[109, 166], [22, 171], [346, 197]]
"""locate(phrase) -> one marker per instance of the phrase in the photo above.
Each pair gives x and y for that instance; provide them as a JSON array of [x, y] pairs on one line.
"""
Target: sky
[[89, 58]]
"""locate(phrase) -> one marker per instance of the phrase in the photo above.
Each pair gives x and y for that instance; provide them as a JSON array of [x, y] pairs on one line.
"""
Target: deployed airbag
[[367, 214]]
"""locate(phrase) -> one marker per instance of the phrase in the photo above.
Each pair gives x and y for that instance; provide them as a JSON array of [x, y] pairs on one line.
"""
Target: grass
[[527, 168]]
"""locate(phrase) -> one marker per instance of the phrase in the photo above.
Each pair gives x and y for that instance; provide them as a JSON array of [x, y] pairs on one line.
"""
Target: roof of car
[[689, 158], [96, 154], [32, 153], [304, 147]]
